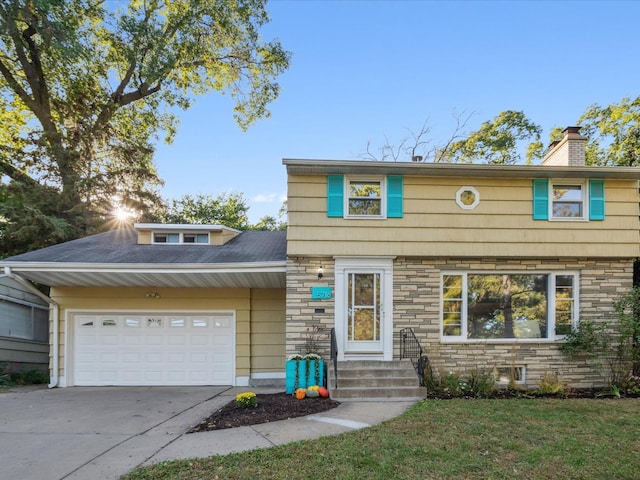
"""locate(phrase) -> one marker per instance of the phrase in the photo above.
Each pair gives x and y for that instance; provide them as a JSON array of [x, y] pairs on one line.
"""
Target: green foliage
[[614, 345], [269, 223], [246, 400], [12, 378], [584, 340], [481, 383], [478, 383], [613, 132], [498, 142], [551, 385], [229, 210], [87, 88]]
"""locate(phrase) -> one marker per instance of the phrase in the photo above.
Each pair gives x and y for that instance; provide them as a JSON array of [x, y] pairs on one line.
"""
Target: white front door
[[364, 312], [364, 307]]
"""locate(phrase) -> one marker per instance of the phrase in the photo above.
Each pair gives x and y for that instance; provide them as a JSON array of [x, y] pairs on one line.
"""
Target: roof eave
[[355, 167], [245, 267]]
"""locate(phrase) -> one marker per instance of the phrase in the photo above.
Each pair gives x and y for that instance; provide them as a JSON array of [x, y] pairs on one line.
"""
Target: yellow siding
[[267, 330], [433, 224], [144, 237]]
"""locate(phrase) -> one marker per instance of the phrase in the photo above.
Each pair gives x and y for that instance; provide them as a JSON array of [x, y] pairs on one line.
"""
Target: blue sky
[[363, 71]]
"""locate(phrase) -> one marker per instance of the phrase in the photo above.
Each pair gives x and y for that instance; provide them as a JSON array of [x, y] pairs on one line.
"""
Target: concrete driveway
[[97, 432]]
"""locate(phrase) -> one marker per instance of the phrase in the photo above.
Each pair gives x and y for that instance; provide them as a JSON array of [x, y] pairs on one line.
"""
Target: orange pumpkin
[[323, 392], [301, 393]]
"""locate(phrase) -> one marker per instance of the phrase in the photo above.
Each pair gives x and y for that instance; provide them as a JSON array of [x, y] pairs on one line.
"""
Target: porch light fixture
[[320, 273]]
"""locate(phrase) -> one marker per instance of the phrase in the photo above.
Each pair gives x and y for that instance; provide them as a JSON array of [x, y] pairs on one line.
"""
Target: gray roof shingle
[[120, 247]]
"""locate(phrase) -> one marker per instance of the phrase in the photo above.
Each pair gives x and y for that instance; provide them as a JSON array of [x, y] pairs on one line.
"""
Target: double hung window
[[567, 201], [365, 198], [496, 306]]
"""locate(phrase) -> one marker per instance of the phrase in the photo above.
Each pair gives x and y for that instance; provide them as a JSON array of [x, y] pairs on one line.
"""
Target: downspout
[[53, 381]]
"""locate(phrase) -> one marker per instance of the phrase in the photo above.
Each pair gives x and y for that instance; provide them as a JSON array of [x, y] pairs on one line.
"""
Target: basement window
[[510, 375]]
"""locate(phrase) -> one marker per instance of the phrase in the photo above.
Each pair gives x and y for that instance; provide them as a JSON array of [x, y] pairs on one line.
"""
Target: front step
[[375, 380]]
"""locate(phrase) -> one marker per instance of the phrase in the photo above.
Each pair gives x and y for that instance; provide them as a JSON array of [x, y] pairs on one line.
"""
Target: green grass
[[452, 439]]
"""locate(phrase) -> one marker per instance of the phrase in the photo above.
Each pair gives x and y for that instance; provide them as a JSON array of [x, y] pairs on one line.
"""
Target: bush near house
[[31, 376]]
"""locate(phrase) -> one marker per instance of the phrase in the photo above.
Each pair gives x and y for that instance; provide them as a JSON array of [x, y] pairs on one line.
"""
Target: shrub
[[32, 376], [551, 385], [481, 383], [613, 345]]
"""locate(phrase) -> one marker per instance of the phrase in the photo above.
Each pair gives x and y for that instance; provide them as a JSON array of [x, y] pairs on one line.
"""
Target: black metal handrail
[[334, 356], [411, 348]]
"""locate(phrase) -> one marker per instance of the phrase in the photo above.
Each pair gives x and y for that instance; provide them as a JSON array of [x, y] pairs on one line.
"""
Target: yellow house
[[480, 266], [488, 266], [163, 305]]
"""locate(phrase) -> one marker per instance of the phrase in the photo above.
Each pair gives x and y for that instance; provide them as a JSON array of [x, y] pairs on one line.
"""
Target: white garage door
[[154, 349]]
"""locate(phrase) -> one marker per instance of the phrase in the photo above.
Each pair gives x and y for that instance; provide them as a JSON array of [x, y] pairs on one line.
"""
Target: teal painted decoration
[[303, 373]]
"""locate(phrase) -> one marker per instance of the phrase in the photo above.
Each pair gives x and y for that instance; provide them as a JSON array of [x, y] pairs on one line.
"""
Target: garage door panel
[[153, 350], [176, 339], [131, 340], [154, 339]]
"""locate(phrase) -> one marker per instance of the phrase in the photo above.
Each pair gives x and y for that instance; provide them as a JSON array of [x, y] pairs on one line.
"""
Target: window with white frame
[[365, 197], [567, 200], [494, 306], [177, 237]]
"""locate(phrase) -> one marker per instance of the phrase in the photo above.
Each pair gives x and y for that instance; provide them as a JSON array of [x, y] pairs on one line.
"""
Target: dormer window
[[177, 237], [195, 238]]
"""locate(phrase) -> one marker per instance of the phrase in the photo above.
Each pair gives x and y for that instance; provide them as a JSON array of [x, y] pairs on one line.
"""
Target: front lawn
[[452, 439]]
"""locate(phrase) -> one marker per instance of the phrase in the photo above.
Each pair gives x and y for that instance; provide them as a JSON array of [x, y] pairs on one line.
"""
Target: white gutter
[[53, 381]]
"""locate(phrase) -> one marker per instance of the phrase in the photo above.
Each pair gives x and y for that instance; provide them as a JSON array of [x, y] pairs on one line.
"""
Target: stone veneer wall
[[301, 317], [416, 285]]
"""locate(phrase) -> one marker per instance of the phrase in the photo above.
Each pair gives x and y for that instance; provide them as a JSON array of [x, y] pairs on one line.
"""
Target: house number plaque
[[321, 293]]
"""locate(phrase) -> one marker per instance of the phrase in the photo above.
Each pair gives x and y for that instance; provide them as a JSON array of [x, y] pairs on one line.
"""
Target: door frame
[[384, 266]]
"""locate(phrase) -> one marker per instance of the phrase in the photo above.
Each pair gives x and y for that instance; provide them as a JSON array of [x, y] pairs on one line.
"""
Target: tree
[[87, 87], [498, 141], [503, 140], [613, 132], [229, 210], [416, 146]]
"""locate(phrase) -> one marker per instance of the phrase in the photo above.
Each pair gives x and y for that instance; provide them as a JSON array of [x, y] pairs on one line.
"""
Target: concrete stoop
[[364, 380]]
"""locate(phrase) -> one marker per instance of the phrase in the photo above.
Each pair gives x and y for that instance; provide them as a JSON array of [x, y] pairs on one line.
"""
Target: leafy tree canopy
[[498, 141], [88, 86], [226, 209], [613, 133], [508, 138]]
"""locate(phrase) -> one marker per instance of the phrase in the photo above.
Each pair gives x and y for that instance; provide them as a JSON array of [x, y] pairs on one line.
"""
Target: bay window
[[497, 306]]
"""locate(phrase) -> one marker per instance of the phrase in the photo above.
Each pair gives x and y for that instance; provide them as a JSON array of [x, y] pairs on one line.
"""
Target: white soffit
[[270, 275]]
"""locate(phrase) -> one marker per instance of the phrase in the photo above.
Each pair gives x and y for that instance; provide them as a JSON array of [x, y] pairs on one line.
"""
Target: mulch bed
[[270, 408]]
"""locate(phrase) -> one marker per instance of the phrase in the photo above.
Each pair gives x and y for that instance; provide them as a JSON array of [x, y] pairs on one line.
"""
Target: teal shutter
[[394, 197], [541, 199], [335, 196], [596, 199]]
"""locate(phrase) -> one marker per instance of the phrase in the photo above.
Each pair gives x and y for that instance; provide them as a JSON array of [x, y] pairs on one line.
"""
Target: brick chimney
[[568, 152]]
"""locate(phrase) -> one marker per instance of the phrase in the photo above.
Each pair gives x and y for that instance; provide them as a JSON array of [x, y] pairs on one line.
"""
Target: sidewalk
[[346, 417], [88, 433]]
